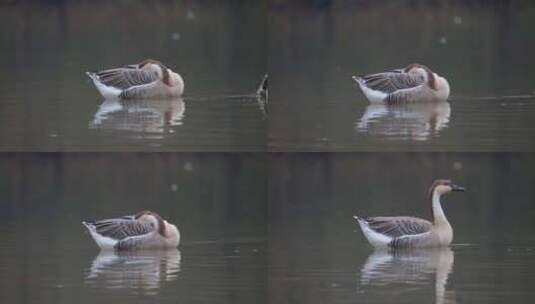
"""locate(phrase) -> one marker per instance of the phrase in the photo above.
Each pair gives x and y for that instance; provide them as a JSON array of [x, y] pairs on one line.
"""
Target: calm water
[[483, 49], [48, 103], [217, 201], [317, 254]]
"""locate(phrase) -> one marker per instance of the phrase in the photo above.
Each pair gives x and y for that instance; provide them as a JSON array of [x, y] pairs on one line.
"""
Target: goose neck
[[438, 214]]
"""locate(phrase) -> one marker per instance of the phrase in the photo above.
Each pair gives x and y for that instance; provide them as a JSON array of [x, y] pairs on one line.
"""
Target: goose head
[[151, 65], [154, 219], [420, 71], [167, 75], [444, 186]]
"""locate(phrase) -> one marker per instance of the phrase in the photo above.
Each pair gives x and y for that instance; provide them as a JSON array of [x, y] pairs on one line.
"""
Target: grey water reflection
[[412, 268], [410, 121], [145, 270], [142, 116]]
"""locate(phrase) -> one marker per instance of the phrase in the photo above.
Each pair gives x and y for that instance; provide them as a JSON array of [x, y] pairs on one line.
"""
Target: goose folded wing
[[127, 77], [390, 82], [120, 229], [395, 227]]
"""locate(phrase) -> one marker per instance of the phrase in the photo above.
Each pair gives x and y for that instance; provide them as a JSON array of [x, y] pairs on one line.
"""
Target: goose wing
[[398, 226], [121, 228], [390, 82], [126, 77]]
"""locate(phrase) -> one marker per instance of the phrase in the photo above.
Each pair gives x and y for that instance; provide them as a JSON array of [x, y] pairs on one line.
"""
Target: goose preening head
[[147, 79], [144, 230], [405, 231], [414, 83]]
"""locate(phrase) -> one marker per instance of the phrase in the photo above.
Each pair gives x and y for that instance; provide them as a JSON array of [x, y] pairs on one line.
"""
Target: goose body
[[415, 83], [147, 79], [406, 231], [145, 230]]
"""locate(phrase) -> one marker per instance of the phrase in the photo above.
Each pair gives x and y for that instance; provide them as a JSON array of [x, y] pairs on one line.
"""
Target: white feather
[[105, 91], [376, 239], [372, 95], [102, 241]]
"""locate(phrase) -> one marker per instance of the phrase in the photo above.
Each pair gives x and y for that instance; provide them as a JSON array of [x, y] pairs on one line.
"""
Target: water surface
[[216, 200], [47, 102], [317, 253], [482, 48]]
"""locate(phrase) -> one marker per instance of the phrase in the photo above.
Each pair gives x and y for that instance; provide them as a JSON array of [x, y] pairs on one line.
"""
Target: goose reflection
[[139, 115], [145, 270], [411, 268], [417, 121]]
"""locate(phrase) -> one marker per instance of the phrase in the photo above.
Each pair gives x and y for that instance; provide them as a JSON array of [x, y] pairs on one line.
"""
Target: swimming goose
[[415, 83], [144, 230], [147, 79], [405, 231]]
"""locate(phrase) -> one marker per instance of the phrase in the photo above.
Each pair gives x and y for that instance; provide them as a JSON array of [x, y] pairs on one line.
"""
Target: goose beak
[[457, 188]]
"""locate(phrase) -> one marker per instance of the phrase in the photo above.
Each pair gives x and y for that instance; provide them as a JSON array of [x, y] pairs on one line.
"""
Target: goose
[[415, 83], [405, 231], [147, 79], [144, 230]]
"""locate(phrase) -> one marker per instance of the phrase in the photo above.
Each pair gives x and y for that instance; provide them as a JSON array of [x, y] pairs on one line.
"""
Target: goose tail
[[358, 79], [106, 91], [89, 225], [359, 219]]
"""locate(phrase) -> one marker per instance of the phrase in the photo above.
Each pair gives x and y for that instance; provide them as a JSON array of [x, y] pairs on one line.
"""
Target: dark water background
[[47, 102], [317, 254], [218, 202], [482, 47]]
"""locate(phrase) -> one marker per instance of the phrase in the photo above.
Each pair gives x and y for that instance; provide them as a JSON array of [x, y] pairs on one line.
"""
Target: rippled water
[[461, 274], [481, 48], [501, 124], [48, 103], [230, 271]]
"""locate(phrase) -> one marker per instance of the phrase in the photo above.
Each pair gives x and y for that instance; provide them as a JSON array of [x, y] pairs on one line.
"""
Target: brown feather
[[161, 224]]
